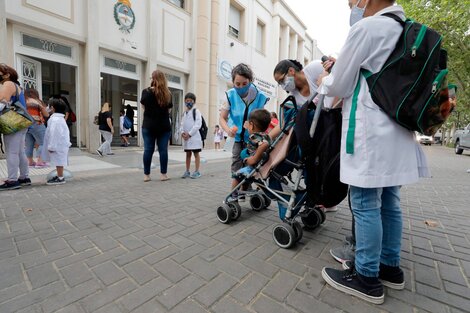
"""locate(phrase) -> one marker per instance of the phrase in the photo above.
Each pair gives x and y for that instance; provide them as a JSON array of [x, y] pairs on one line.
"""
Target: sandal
[[147, 178], [164, 177]]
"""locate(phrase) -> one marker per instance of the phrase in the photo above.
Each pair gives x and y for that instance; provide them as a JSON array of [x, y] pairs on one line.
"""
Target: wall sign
[[124, 16], [224, 70], [269, 89]]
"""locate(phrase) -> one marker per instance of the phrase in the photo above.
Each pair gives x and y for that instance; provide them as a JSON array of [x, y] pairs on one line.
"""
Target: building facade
[[93, 52]]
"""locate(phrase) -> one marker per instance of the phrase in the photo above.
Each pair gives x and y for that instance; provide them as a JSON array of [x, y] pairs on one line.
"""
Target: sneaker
[[332, 209], [344, 253], [10, 185], [99, 152], [369, 289], [196, 175], [350, 239], [111, 153], [56, 181], [186, 174], [24, 181], [391, 277]]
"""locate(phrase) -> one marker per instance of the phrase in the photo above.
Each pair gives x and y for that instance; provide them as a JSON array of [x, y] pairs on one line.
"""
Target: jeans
[[378, 220], [16, 158], [35, 133], [105, 147], [149, 147]]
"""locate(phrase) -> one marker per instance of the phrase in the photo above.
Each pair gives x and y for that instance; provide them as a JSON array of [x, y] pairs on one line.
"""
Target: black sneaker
[[24, 181], [99, 152], [56, 181], [392, 277], [10, 185], [369, 289]]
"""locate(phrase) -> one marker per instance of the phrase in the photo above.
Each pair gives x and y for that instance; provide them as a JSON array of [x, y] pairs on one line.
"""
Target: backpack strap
[[395, 17], [194, 114]]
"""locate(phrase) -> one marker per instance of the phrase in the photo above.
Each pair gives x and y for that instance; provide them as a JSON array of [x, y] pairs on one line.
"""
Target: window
[[260, 29], [179, 3], [234, 22]]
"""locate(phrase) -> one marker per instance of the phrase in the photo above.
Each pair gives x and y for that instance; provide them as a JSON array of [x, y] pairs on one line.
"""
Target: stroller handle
[[316, 117]]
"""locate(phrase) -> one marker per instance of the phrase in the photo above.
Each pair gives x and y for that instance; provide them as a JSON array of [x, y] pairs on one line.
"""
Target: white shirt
[[191, 126], [311, 71], [385, 153]]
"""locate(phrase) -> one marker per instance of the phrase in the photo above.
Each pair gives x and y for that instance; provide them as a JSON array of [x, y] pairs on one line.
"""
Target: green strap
[[352, 114]]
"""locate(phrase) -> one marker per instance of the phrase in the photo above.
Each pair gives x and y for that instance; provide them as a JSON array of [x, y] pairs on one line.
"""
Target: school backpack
[[203, 130], [411, 87], [127, 123], [321, 155]]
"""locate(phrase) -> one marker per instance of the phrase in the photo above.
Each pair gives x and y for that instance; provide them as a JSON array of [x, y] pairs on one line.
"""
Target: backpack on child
[[203, 130], [411, 87]]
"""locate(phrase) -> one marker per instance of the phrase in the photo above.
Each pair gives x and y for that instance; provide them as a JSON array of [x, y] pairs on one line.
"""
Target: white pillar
[[213, 117], [3, 33], [300, 51], [284, 49], [274, 42], [293, 47], [92, 74]]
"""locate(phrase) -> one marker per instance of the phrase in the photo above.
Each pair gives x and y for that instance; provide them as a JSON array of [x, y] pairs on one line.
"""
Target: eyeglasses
[[281, 80]]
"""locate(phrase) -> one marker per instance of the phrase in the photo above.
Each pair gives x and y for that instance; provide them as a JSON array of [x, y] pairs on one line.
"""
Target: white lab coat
[[385, 153], [56, 139], [191, 126]]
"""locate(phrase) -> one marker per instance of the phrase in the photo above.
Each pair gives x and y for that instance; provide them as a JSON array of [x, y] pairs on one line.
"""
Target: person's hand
[[329, 63], [232, 131]]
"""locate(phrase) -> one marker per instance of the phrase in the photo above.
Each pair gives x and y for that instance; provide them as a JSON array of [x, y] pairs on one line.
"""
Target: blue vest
[[239, 110]]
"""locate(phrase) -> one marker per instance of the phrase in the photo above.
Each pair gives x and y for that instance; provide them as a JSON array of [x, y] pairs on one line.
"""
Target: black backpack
[[321, 155], [412, 85], [203, 130]]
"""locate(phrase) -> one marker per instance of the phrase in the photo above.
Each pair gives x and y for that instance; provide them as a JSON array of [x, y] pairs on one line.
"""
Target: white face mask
[[288, 84], [357, 13]]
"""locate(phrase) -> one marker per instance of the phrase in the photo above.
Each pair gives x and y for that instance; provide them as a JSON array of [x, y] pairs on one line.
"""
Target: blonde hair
[[105, 107], [160, 88]]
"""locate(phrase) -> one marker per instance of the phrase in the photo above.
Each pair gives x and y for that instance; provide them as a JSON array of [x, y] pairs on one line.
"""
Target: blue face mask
[[243, 90], [189, 105], [357, 13]]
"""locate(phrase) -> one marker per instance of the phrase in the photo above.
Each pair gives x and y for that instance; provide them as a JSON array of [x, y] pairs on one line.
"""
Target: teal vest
[[239, 111]]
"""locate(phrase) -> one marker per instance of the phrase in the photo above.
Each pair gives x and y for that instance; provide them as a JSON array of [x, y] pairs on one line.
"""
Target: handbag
[[14, 117]]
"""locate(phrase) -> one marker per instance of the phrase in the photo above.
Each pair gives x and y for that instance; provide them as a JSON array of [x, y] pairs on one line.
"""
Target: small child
[[123, 132], [192, 142], [258, 142], [218, 135], [57, 140]]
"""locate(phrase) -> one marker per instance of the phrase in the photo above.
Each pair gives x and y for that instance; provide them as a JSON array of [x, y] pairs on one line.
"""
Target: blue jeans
[[34, 134], [378, 223], [149, 147]]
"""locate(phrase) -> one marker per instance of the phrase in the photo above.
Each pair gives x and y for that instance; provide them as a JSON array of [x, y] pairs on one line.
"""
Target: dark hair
[[273, 114], [243, 70], [191, 96], [261, 118], [122, 112], [5, 69], [217, 126], [283, 66], [32, 93], [58, 105]]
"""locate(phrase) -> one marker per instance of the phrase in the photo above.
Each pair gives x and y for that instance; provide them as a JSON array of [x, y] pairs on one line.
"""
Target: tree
[[451, 18]]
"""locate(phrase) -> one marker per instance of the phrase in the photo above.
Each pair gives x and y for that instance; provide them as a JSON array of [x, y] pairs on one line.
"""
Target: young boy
[[57, 140], [123, 132], [192, 142]]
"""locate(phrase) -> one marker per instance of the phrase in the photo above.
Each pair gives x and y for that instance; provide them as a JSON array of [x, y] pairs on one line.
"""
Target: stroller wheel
[[322, 213], [299, 232], [313, 219], [236, 210], [224, 213], [257, 202], [284, 235], [267, 201]]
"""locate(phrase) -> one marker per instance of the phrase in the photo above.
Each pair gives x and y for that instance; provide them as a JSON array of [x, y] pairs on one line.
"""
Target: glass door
[[176, 114]]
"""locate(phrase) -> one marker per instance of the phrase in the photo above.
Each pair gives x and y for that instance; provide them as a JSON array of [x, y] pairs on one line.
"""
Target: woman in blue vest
[[243, 98]]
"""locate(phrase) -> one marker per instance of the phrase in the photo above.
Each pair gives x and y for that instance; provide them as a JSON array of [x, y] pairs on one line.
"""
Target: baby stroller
[[292, 203]]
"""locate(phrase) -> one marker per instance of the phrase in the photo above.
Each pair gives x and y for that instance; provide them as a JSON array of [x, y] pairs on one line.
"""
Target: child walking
[[218, 135], [57, 140], [123, 132], [192, 142]]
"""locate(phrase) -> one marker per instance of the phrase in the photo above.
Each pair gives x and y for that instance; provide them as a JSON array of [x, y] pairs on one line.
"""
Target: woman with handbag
[[35, 133], [11, 92]]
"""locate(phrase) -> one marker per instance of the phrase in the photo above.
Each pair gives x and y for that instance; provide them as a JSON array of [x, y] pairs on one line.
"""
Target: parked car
[[424, 140], [462, 140]]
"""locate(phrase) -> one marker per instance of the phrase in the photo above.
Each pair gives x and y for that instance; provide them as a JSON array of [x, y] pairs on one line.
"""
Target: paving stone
[[188, 253], [288, 264], [312, 283], [54, 245], [337, 299], [214, 252], [76, 258], [442, 296], [305, 304], [42, 275], [133, 255], [201, 267], [12, 292], [227, 305], [189, 306], [280, 286], [156, 242], [266, 305], [144, 293], [260, 266], [113, 292], [240, 251], [76, 274], [231, 267], [171, 270], [249, 288], [28, 245], [11, 274], [161, 254], [426, 275], [456, 289], [216, 288], [180, 291], [451, 273], [418, 300], [140, 272], [70, 296], [104, 257], [109, 273]]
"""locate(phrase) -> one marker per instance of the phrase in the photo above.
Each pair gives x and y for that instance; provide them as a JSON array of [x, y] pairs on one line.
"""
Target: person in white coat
[[191, 122], [377, 156], [57, 141]]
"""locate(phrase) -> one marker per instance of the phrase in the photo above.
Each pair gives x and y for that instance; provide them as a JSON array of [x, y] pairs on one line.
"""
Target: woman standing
[[10, 91], [35, 133], [243, 98], [156, 126], [105, 119]]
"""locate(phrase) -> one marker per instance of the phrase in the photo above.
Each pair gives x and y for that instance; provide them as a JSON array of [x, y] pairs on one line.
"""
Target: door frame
[[19, 60]]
